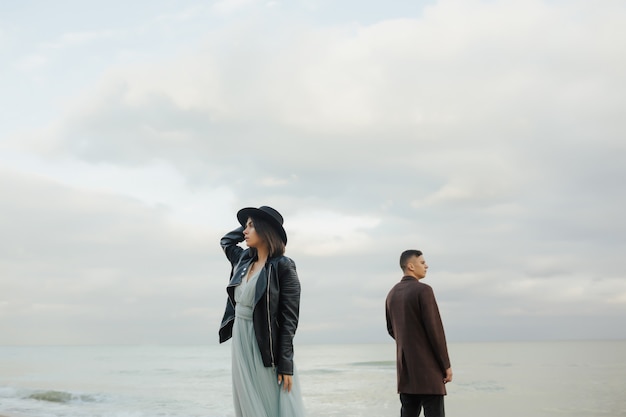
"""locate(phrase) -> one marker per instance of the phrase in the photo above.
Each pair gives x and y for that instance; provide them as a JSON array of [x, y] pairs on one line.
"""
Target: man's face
[[418, 266]]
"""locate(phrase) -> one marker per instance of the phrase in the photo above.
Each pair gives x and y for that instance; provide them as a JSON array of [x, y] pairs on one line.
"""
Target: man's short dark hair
[[408, 254]]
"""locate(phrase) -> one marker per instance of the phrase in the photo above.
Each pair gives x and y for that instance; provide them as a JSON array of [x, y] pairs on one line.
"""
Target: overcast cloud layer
[[489, 134]]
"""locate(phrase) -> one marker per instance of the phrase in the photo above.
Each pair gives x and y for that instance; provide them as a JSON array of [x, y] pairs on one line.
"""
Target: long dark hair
[[275, 245]]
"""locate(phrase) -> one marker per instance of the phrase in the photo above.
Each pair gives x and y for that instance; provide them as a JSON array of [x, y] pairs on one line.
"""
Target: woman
[[262, 316]]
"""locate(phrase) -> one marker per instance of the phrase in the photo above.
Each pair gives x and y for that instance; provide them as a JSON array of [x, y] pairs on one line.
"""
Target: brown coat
[[413, 320]]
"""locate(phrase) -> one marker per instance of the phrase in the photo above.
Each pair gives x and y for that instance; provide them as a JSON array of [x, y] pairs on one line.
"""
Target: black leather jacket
[[276, 304]]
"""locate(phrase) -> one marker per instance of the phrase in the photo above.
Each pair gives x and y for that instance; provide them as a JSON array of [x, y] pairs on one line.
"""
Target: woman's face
[[253, 240]]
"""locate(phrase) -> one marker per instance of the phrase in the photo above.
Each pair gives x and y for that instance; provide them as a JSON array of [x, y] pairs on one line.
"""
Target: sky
[[490, 134]]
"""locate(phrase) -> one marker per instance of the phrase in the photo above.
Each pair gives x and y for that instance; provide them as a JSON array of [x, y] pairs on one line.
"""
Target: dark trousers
[[412, 405]]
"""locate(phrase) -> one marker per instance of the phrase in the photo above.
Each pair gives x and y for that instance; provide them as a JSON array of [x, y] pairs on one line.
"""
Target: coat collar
[[409, 278]]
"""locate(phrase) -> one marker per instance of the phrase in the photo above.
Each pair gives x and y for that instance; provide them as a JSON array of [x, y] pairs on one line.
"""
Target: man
[[413, 320]]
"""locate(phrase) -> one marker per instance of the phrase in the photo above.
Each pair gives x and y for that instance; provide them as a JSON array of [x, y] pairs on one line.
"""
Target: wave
[[60, 396], [320, 371], [377, 364], [349, 367]]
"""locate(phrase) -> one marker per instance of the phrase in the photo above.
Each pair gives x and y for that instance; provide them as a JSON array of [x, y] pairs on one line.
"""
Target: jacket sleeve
[[233, 252], [288, 314], [229, 244]]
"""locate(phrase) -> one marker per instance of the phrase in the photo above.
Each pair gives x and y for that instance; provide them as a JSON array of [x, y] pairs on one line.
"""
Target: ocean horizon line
[[390, 342]]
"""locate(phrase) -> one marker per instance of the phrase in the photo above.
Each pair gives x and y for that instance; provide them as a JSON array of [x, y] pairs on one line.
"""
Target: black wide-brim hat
[[266, 213]]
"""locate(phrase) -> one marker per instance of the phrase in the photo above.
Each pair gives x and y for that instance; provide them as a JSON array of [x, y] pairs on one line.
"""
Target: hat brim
[[245, 213]]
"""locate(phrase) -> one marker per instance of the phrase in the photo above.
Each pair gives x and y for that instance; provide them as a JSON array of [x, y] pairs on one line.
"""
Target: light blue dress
[[256, 392]]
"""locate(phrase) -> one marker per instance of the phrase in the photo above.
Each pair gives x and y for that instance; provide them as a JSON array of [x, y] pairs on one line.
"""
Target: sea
[[496, 379]]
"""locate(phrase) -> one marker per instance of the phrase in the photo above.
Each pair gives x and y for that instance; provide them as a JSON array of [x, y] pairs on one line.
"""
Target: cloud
[[81, 256], [487, 134], [324, 233], [72, 39], [225, 7], [357, 85], [31, 62]]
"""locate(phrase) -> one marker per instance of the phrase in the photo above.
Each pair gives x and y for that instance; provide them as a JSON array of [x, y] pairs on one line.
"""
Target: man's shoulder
[[397, 287], [404, 284], [411, 284], [409, 280]]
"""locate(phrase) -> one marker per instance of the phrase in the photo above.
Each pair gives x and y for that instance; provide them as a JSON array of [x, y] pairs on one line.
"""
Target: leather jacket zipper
[[269, 321]]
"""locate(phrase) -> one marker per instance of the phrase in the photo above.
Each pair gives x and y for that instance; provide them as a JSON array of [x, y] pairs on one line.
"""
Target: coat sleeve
[[388, 317], [288, 313], [434, 327]]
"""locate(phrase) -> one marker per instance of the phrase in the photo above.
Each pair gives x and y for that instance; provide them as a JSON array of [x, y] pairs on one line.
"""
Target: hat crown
[[267, 213], [275, 214]]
